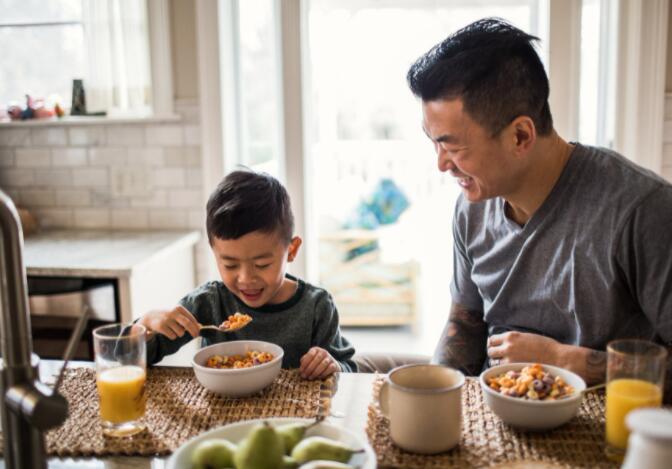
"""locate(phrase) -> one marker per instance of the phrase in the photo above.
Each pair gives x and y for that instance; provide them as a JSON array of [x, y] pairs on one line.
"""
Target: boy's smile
[[253, 267]]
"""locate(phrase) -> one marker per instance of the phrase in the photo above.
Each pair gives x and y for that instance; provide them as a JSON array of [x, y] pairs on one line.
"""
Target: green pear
[[213, 454], [323, 464], [292, 433], [289, 463], [262, 449], [319, 447]]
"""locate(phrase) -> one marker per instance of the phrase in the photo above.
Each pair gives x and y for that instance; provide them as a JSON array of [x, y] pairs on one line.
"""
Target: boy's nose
[[245, 275]]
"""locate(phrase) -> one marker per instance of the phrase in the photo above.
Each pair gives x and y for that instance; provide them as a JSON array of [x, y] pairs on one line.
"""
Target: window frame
[[160, 55]]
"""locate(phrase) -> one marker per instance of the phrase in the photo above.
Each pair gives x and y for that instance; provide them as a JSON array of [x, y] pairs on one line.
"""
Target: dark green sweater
[[307, 319]]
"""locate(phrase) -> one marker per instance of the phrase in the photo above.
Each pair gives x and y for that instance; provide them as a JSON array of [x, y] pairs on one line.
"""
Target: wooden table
[[349, 409]]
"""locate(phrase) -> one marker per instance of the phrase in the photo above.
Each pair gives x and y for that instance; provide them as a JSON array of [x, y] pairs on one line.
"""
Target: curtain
[[118, 78]]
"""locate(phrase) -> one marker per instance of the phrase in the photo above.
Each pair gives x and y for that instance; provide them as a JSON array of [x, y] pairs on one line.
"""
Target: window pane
[[258, 81], [383, 209], [33, 11], [40, 61], [590, 49]]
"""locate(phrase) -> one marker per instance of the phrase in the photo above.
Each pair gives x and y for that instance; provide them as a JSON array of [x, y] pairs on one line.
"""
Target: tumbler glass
[[635, 378], [121, 365]]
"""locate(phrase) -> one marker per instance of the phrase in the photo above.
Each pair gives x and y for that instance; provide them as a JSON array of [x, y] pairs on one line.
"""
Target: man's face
[[253, 267], [479, 162]]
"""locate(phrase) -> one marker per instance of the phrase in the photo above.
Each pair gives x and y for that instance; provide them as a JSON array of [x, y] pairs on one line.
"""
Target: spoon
[[235, 319], [593, 388]]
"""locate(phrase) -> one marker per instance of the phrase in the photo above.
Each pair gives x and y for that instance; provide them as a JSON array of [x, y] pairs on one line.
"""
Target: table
[[348, 409]]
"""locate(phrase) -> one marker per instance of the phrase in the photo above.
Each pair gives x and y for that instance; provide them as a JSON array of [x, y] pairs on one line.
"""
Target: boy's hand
[[172, 323], [317, 363]]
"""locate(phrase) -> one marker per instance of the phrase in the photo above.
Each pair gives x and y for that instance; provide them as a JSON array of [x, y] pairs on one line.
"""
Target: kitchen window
[[360, 136], [104, 42]]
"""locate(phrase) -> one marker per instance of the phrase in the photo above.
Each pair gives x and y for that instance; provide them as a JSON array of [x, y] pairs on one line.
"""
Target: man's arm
[[590, 364], [463, 342]]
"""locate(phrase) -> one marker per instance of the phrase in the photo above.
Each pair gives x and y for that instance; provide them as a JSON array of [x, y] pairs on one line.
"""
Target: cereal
[[236, 321], [250, 359], [531, 383]]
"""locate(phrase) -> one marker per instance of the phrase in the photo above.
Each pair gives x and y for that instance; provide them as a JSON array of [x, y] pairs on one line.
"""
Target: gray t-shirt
[[593, 264], [309, 318]]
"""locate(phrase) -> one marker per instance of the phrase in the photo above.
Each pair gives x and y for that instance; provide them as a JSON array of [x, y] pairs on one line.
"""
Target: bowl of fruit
[[532, 396], [237, 368], [275, 442]]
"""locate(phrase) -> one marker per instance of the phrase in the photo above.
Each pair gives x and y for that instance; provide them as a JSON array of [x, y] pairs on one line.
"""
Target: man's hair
[[247, 201], [493, 67]]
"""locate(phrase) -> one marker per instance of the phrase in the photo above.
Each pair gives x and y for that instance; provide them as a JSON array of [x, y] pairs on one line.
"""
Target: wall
[[130, 175]]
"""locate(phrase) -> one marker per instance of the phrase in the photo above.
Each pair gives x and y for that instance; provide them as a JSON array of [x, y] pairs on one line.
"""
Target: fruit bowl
[[236, 432], [237, 382], [533, 414]]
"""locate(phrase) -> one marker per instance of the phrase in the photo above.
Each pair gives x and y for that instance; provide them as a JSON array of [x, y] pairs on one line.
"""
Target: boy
[[250, 230]]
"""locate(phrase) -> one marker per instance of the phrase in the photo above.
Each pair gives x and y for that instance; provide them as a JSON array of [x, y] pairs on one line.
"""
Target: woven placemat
[[178, 408], [487, 442]]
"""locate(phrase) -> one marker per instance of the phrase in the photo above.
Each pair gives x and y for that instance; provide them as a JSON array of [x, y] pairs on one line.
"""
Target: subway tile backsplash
[[122, 176]]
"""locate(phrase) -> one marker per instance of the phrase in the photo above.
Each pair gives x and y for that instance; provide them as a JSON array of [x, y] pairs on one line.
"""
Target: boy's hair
[[493, 67], [247, 201]]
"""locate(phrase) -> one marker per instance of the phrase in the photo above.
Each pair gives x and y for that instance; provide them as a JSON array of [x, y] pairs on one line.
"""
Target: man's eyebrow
[[446, 138]]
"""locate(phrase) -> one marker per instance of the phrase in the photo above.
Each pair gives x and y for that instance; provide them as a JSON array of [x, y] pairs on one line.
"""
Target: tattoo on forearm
[[463, 341], [596, 367]]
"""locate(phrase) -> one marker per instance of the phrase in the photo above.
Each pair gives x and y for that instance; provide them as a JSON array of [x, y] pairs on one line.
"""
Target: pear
[[262, 449], [289, 463], [213, 454], [319, 447], [292, 433], [322, 464]]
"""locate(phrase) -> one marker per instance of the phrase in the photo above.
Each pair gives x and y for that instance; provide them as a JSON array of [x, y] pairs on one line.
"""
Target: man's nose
[[445, 163]]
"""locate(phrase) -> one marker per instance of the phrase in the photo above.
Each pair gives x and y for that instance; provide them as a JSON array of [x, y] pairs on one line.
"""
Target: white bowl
[[528, 414], [235, 432], [239, 381]]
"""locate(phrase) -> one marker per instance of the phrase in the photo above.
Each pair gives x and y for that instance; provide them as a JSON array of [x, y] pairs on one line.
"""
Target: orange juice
[[122, 394], [624, 395]]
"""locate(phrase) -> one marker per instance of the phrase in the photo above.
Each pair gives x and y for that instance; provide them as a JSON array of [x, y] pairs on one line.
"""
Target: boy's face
[[253, 267]]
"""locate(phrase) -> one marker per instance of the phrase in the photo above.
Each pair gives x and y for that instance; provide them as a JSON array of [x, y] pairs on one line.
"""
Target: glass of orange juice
[[121, 370], [635, 377]]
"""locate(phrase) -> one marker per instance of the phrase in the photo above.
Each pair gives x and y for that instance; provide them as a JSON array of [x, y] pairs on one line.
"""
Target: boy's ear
[[293, 250]]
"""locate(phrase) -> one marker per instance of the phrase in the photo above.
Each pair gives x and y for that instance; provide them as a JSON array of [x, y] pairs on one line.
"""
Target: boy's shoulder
[[313, 294]]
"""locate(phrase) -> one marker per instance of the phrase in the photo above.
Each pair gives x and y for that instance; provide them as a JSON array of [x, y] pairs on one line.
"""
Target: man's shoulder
[[608, 167]]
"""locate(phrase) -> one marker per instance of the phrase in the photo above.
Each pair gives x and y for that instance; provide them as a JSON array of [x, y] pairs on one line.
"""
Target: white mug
[[424, 405]]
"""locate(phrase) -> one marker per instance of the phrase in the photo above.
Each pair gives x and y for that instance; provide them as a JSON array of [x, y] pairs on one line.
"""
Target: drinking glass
[[121, 366], [635, 377]]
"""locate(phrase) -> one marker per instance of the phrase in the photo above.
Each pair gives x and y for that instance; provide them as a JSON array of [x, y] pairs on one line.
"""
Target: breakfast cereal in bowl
[[533, 383]]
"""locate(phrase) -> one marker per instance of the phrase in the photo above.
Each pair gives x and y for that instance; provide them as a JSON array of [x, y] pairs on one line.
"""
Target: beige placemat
[[487, 442], [178, 408]]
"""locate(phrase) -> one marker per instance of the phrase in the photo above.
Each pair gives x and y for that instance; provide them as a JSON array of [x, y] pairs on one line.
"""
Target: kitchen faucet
[[29, 407]]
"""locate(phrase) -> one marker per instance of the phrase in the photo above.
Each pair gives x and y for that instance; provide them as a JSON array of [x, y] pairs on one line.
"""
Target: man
[[559, 248]]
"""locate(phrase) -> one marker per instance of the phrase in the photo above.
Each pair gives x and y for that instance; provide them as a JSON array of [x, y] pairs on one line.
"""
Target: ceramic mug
[[424, 406]]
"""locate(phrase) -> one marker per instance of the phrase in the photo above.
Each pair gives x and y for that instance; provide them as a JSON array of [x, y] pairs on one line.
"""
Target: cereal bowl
[[237, 382], [533, 414]]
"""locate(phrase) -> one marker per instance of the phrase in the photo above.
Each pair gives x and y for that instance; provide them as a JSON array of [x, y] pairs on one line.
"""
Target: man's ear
[[523, 134], [293, 250]]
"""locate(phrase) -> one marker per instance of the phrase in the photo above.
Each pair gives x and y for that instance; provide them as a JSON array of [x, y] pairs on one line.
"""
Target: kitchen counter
[[149, 268], [100, 253]]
